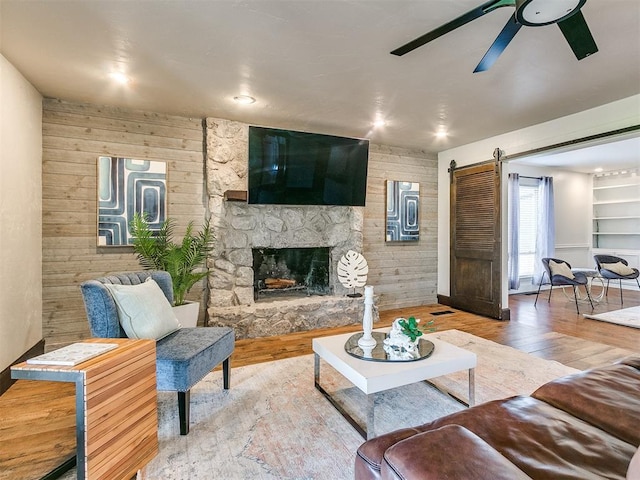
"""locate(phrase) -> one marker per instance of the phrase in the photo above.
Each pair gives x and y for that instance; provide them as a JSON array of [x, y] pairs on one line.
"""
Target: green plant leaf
[[412, 328], [185, 262]]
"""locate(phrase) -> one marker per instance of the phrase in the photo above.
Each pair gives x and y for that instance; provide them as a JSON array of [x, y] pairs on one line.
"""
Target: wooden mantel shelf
[[235, 195]]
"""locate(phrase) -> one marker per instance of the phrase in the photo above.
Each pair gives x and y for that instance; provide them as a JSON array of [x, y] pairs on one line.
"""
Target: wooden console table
[[116, 407]]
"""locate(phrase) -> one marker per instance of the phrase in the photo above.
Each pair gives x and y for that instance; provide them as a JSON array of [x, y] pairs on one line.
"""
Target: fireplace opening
[[290, 272]]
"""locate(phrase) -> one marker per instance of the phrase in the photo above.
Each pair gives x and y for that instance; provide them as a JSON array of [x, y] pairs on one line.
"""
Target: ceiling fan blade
[[504, 38], [578, 35], [452, 25]]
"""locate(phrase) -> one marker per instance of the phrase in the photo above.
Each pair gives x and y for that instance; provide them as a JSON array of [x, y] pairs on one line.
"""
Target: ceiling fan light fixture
[[536, 13], [533, 13]]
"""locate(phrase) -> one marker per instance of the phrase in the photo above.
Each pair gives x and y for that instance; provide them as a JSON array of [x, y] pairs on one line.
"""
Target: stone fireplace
[[244, 233]]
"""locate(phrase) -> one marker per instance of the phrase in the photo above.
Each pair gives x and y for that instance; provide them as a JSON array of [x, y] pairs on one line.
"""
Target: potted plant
[[184, 261]]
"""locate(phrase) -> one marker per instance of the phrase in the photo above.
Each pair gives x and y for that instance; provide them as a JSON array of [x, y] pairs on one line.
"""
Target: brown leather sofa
[[582, 426]]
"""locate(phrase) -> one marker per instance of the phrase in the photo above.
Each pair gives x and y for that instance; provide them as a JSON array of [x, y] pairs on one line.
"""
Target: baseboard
[[5, 376], [444, 300]]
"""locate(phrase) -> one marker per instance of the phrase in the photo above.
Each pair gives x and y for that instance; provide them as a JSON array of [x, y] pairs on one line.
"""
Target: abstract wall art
[[127, 186], [403, 201]]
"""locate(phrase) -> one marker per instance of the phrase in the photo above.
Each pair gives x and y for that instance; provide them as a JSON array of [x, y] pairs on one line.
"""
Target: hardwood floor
[[531, 329], [549, 330]]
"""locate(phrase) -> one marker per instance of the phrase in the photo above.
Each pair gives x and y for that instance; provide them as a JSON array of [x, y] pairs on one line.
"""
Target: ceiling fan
[[532, 13]]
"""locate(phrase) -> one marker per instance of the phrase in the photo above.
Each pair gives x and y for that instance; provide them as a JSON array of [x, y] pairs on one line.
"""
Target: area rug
[[273, 423], [629, 317]]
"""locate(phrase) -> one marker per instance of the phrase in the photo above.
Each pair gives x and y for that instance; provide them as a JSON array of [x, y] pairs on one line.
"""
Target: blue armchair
[[183, 357]]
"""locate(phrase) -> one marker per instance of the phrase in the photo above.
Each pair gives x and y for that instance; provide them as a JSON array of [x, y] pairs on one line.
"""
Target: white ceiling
[[621, 154], [322, 65]]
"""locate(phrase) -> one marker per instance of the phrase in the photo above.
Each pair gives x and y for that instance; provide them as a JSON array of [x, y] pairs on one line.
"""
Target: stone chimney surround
[[239, 227]]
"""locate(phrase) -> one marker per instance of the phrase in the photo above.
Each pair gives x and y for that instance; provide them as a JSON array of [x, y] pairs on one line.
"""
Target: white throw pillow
[[619, 268], [560, 269], [143, 310]]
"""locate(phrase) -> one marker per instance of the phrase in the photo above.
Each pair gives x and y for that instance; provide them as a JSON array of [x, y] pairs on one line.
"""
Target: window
[[528, 225]]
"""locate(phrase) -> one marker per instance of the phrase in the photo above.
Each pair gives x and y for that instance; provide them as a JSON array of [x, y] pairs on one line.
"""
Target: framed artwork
[[127, 186], [403, 201]]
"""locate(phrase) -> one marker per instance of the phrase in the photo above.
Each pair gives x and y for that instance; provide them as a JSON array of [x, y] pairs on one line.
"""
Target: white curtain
[[545, 240], [514, 230]]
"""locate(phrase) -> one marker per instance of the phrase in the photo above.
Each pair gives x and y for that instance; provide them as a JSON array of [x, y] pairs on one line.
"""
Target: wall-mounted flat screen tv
[[296, 168]]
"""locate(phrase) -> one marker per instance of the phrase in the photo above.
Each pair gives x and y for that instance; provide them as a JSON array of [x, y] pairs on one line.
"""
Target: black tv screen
[[296, 168]]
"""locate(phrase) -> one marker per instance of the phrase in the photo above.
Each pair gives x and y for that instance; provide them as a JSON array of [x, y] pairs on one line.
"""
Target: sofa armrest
[[448, 452], [607, 397], [633, 361]]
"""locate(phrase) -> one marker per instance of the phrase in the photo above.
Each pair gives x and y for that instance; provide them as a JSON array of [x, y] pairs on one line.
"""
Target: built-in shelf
[[623, 185], [235, 195], [616, 223], [613, 202], [616, 233]]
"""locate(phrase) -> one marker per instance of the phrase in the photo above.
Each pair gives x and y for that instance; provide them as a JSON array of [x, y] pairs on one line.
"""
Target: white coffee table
[[373, 377]]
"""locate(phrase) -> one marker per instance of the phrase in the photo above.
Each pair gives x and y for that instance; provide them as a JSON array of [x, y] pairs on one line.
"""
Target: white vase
[[187, 314]]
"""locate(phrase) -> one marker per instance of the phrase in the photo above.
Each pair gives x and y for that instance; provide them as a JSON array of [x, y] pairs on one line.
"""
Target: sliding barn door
[[475, 282]]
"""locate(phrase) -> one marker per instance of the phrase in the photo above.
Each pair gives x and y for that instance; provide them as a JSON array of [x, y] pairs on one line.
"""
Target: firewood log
[[279, 282]]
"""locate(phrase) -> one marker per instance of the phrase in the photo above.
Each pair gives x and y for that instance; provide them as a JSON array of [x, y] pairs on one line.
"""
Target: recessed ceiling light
[[244, 99], [379, 123], [120, 77], [442, 133]]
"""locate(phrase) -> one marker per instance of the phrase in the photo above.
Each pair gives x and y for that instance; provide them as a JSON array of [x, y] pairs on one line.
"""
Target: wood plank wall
[[403, 273], [74, 135]]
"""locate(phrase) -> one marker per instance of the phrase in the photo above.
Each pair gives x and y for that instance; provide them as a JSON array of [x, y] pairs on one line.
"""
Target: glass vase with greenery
[[184, 261]]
